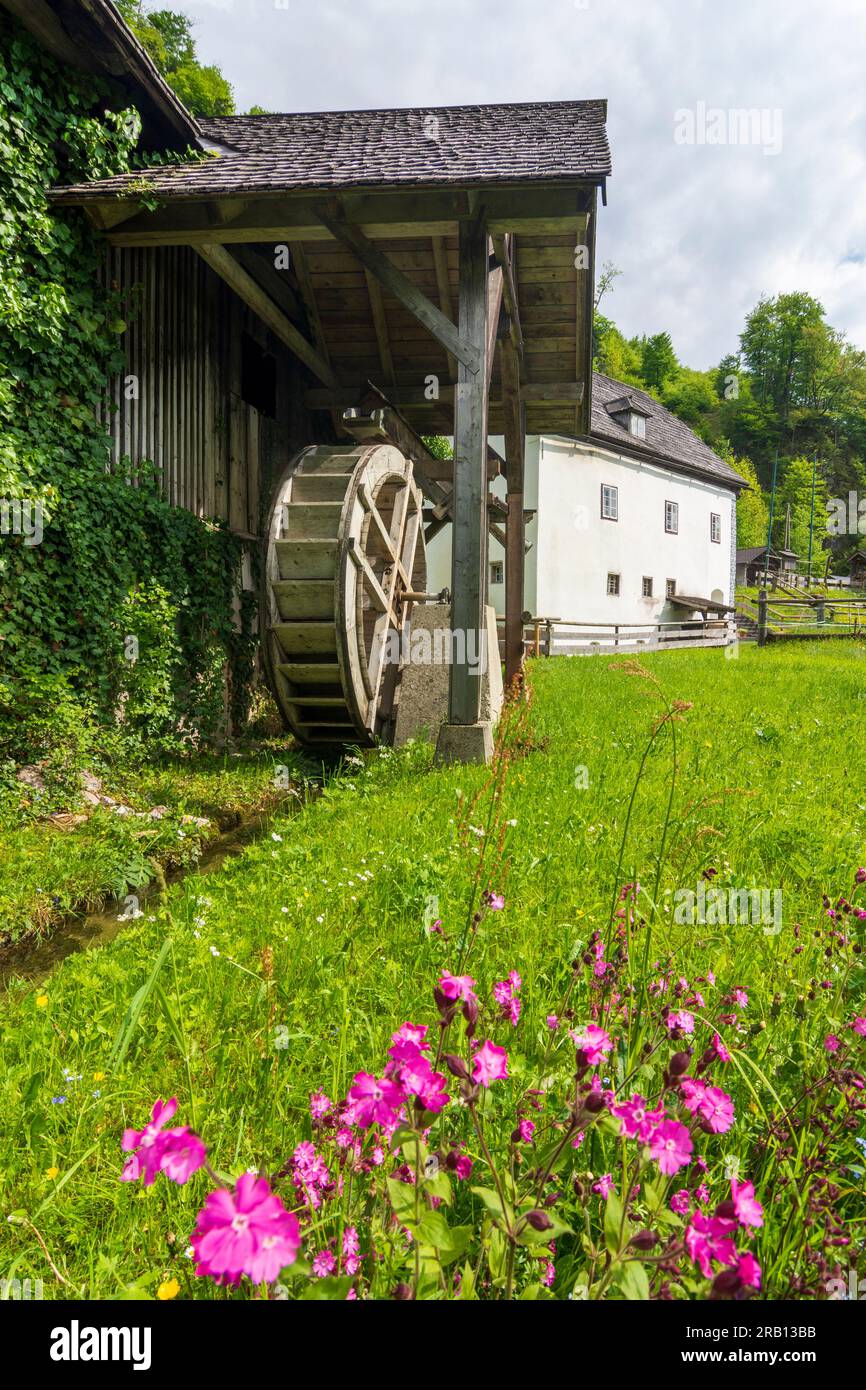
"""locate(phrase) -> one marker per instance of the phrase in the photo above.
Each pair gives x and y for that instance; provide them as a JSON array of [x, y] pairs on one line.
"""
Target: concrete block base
[[423, 699], [465, 743]]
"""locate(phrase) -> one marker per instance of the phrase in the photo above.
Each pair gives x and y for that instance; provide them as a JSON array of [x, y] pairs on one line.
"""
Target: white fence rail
[[555, 637]]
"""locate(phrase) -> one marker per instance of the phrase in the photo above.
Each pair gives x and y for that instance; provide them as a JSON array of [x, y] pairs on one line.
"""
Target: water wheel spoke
[[379, 597], [383, 533]]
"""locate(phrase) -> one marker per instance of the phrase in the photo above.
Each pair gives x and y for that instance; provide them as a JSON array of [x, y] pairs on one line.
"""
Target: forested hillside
[[794, 389]]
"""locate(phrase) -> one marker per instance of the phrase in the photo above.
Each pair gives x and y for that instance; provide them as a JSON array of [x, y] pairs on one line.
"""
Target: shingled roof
[[533, 142], [668, 439]]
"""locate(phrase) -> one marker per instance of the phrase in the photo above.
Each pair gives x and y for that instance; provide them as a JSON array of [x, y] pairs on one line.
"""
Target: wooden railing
[[817, 615], [558, 637]]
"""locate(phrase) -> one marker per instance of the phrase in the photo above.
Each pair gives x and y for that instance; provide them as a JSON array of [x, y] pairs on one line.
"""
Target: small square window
[[613, 585], [715, 528], [672, 518], [497, 572], [647, 586], [609, 502], [637, 425], [670, 588]]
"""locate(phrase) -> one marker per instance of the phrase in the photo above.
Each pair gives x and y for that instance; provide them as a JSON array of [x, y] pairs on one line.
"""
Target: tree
[[795, 491], [753, 510], [167, 36], [658, 360]]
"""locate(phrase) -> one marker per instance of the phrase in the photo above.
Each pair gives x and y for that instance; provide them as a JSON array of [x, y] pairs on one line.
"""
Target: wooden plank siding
[[216, 454]]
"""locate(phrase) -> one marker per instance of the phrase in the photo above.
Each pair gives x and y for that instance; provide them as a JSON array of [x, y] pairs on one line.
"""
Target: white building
[[638, 512]]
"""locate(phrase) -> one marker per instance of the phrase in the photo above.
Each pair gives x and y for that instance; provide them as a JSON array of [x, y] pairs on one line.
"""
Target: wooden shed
[[433, 265]]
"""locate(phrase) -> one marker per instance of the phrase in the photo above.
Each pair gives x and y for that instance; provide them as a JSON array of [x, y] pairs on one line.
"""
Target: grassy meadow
[[244, 992]]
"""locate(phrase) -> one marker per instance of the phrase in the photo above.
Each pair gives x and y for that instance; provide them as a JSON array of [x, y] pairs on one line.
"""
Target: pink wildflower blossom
[[495, 901], [831, 1043], [490, 1064], [593, 1042], [636, 1121], [680, 1019], [374, 1101], [605, 1186], [680, 1202], [717, 1110], [671, 1145], [859, 1026], [749, 1271], [463, 1167], [319, 1105], [183, 1153], [748, 1209], [553, 1022], [247, 1232], [146, 1146], [456, 986], [324, 1264], [720, 1050], [740, 997], [526, 1129], [708, 1238], [412, 1033]]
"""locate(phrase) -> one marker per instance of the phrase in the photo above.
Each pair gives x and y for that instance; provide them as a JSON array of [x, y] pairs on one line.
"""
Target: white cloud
[[699, 232]]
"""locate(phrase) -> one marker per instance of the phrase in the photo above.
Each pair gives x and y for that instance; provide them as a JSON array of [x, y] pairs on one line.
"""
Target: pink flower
[[183, 1153], [671, 1145], [680, 1020], [549, 1275], [247, 1232], [374, 1101], [717, 1110], [605, 1186], [637, 1121], [831, 1042], [526, 1129], [720, 1050], [495, 902], [709, 1238], [593, 1042], [146, 1146], [749, 1271], [324, 1264], [412, 1033], [740, 997], [859, 1026], [319, 1105], [310, 1174], [553, 1022], [490, 1064], [748, 1209], [860, 876], [456, 986], [463, 1167], [680, 1202], [505, 993], [702, 1192]]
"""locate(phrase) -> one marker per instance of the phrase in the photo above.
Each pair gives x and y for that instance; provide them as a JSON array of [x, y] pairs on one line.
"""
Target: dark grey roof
[[668, 439], [538, 142], [754, 552]]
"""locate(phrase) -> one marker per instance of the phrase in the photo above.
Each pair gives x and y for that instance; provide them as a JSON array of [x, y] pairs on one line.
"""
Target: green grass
[[770, 793], [74, 862]]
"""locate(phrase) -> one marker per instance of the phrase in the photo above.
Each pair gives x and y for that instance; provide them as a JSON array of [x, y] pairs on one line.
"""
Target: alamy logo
[[735, 907], [21, 516], [76, 1343]]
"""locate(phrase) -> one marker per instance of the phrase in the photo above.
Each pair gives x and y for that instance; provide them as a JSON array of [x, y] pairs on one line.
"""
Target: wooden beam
[[402, 288], [443, 285], [380, 324], [414, 397], [224, 264], [535, 210], [275, 283], [494, 307], [469, 548], [514, 413], [503, 246]]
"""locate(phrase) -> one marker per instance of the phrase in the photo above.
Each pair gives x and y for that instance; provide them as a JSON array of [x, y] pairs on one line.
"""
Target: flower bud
[[456, 1065], [402, 1293], [539, 1220], [679, 1063], [644, 1240]]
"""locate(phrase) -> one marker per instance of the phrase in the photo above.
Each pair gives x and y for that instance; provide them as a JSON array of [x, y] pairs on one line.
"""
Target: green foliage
[[753, 512], [112, 555], [795, 492], [167, 36], [658, 359]]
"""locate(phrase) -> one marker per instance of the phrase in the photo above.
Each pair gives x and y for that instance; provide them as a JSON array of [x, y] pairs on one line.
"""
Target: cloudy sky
[[699, 230]]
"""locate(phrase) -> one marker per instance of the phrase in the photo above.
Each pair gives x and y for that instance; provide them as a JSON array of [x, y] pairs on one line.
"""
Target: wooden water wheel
[[345, 554]]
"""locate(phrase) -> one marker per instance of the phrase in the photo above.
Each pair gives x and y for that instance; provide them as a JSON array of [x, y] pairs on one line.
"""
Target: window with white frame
[[672, 518], [497, 572], [716, 528], [647, 586], [609, 502], [637, 425], [613, 585], [670, 588]]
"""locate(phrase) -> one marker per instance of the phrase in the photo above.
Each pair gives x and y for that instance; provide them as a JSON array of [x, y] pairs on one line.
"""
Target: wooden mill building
[[433, 265]]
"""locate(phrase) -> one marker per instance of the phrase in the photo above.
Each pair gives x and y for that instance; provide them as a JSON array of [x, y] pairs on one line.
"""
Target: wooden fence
[[780, 619], [556, 637]]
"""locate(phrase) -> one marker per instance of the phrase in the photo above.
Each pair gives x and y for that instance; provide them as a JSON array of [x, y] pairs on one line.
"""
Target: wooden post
[[469, 555], [762, 618]]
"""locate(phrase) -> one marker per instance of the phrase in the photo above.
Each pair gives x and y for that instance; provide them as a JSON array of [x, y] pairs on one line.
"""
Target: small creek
[[35, 960]]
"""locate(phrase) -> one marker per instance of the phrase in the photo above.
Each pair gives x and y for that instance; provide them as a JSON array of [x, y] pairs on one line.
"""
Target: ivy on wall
[[87, 559]]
